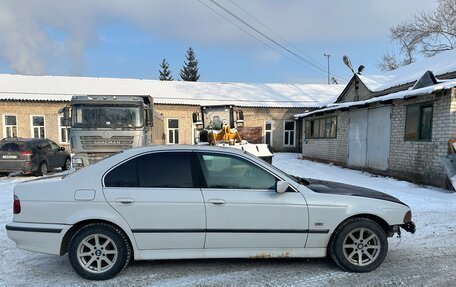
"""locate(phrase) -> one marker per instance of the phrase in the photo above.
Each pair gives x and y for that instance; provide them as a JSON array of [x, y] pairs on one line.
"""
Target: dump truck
[[221, 125], [103, 125]]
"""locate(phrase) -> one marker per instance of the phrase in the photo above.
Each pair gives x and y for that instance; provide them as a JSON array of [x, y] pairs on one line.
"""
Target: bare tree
[[388, 63], [426, 33]]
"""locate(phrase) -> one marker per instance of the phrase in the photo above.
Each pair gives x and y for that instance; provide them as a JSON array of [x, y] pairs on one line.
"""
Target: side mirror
[[61, 148], [66, 115], [149, 118], [281, 186]]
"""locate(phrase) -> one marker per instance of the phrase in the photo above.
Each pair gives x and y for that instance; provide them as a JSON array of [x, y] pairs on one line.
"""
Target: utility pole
[[327, 55]]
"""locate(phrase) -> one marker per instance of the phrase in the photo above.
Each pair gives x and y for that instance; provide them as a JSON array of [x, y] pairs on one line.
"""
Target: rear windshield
[[10, 146]]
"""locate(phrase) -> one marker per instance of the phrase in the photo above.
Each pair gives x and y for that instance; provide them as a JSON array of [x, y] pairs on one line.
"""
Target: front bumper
[[409, 227]]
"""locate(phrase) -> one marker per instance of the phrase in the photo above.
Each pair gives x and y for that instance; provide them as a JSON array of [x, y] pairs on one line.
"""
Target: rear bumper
[[43, 238], [19, 166]]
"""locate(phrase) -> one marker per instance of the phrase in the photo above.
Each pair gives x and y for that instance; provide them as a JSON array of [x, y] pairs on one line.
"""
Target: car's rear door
[[156, 194], [48, 153], [244, 211]]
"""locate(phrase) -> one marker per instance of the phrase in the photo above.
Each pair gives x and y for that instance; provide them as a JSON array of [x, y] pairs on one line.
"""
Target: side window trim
[[200, 160], [196, 169]]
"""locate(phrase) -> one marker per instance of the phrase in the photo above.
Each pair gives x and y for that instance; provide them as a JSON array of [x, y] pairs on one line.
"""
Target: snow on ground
[[426, 258]]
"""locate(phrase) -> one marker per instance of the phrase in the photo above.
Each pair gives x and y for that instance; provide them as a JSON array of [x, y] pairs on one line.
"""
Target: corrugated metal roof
[[393, 96], [61, 88], [444, 62]]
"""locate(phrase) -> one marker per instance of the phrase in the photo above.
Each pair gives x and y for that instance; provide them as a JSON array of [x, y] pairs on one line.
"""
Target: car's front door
[[155, 193], [244, 211], [58, 155]]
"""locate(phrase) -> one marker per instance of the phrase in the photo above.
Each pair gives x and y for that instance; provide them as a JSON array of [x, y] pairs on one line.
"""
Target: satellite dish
[[360, 69]]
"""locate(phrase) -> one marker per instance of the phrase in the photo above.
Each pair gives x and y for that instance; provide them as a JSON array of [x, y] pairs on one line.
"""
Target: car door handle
[[217, 201], [125, 201]]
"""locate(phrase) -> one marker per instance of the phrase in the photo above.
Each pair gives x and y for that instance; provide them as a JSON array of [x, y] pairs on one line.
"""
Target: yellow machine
[[218, 125]]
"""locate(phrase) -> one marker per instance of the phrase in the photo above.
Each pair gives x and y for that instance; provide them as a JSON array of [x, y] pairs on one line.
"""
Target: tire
[[42, 169], [359, 245], [67, 164], [99, 251]]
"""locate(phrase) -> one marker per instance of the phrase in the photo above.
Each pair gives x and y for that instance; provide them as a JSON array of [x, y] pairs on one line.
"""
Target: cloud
[[31, 49]]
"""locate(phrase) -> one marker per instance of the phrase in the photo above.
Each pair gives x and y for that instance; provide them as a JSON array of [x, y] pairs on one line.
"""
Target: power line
[[266, 36], [279, 36], [253, 36], [274, 32]]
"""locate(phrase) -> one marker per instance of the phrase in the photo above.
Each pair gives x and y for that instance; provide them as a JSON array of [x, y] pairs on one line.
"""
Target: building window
[[321, 128], [173, 131], [10, 123], [289, 133], [38, 127], [268, 132], [64, 131], [418, 122]]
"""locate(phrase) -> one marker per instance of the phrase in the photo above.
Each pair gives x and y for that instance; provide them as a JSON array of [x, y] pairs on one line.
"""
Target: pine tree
[[189, 71], [165, 73]]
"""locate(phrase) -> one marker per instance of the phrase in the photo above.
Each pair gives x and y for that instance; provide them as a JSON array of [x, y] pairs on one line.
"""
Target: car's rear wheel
[[42, 169], [359, 245], [67, 164], [99, 251]]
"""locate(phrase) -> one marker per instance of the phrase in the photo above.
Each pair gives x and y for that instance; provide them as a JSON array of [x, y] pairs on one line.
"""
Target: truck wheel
[[67, 164], [359, 245], [42, 169], [99, 251]]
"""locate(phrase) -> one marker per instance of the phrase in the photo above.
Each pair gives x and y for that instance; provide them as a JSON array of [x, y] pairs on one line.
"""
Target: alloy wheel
[[361, 247], [97, 253]]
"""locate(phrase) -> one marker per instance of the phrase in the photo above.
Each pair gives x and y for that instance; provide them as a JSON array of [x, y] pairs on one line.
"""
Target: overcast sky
[[108, 38]]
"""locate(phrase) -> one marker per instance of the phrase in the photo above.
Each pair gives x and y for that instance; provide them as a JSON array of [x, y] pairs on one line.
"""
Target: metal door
[[357, 138], [378, 138]]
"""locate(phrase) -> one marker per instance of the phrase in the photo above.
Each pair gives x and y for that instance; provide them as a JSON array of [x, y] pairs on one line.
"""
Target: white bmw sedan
[[176, 202]]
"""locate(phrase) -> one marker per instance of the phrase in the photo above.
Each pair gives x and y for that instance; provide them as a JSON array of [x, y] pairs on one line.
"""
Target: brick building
[[29, 105], [398, 124]]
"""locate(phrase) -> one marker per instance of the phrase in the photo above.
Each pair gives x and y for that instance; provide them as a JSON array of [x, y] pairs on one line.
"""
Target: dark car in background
[[32, 156]]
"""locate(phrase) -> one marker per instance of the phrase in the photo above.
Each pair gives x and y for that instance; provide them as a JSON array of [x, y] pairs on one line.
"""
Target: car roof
[[22, 139], [180, 147]]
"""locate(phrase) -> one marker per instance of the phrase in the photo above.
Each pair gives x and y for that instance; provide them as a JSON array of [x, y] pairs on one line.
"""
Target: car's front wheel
[[99, 251], [67, 164], [359, 245]]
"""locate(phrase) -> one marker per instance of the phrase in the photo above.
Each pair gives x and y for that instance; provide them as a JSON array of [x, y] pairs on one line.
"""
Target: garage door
[[378, 138], [369, 138], [357, 137]]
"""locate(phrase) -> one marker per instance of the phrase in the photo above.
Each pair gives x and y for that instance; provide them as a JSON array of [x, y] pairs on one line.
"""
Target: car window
[[45, 146], [54, 146], [9, 146], [171, 170], [223, 171]]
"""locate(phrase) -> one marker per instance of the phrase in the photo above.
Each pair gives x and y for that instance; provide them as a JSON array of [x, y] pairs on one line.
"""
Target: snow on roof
[[439, 64], [394, 96], [61, 88]]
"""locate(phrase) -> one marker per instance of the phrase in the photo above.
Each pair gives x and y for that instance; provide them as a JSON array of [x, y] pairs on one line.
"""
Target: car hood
[[323, 186]]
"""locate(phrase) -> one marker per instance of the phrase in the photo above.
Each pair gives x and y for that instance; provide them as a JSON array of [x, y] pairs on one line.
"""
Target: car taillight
[[27, 154], [16, 205]]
